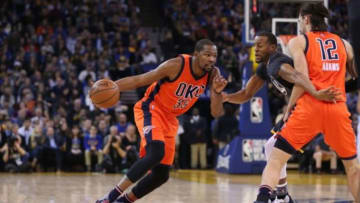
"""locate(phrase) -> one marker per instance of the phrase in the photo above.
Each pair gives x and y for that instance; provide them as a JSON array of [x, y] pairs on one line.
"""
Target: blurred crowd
[[51, 51]]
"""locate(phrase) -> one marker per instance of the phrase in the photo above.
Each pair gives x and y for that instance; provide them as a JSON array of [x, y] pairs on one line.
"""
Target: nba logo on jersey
[[256, 110]]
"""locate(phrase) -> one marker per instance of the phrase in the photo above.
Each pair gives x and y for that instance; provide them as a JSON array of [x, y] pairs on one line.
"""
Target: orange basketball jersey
[[177, 96], [326, 57]]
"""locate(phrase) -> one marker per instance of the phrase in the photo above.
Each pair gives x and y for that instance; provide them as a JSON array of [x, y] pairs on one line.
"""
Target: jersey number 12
[[327, 52]]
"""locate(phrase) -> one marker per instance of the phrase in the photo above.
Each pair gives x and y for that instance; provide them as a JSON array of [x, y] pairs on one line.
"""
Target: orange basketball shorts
[[156, 124], [312, 116]]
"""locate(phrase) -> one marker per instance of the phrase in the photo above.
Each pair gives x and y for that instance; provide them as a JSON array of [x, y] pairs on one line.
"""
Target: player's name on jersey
[[330, 67]]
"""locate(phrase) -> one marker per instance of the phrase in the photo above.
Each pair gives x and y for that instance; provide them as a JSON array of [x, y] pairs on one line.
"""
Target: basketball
[[104, 93]]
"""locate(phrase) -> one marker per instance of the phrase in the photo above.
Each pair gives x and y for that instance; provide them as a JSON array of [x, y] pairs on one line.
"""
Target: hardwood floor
[[185, 186]]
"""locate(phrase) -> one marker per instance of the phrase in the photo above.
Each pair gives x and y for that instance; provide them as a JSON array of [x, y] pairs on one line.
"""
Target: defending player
[[175, 86]]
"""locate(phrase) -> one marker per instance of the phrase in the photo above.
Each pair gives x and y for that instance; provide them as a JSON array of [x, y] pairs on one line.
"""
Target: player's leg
[[352, 169], [158, 176], [152, 151], [281, 188], [344, 145], [155, 151], [297, 132], [271, 173]]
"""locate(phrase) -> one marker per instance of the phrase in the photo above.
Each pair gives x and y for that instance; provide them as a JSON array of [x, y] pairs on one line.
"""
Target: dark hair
[[271, 38], [318, 12], [201, 43]]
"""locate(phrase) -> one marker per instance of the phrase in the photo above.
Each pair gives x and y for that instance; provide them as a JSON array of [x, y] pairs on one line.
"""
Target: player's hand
[[330, 94], [219, 83]]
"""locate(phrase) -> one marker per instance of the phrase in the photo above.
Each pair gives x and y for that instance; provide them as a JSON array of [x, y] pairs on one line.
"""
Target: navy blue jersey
[[270, 72]]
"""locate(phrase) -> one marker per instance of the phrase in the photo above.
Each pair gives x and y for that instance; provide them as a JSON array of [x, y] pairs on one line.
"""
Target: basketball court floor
[[185, 186]]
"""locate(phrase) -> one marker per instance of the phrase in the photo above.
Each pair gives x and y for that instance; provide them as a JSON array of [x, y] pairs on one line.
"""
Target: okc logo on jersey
[[189, 91], [185, 92]]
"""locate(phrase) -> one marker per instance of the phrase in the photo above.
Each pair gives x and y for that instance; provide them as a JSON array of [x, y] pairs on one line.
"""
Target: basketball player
[[324, 58], [277, 68], [175, 86]]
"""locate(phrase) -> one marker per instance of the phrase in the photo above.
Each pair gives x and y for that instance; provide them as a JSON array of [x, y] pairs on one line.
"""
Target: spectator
[[86, 126], [195, 129], [39, 117], [93, 145], [89, 71], [37, 140], [14, 156], [75, 150], [122, 122], [7, 96], [54, 146], [113, 151], [226, 128], [131, 146], [229, 61], [122, 69], [103, 128], [149, 57], [25, 131]]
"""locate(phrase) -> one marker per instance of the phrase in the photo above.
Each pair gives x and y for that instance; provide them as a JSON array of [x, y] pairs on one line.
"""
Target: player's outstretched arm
[[300, 76], [253, 85], [217, 84], [167, 69]]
